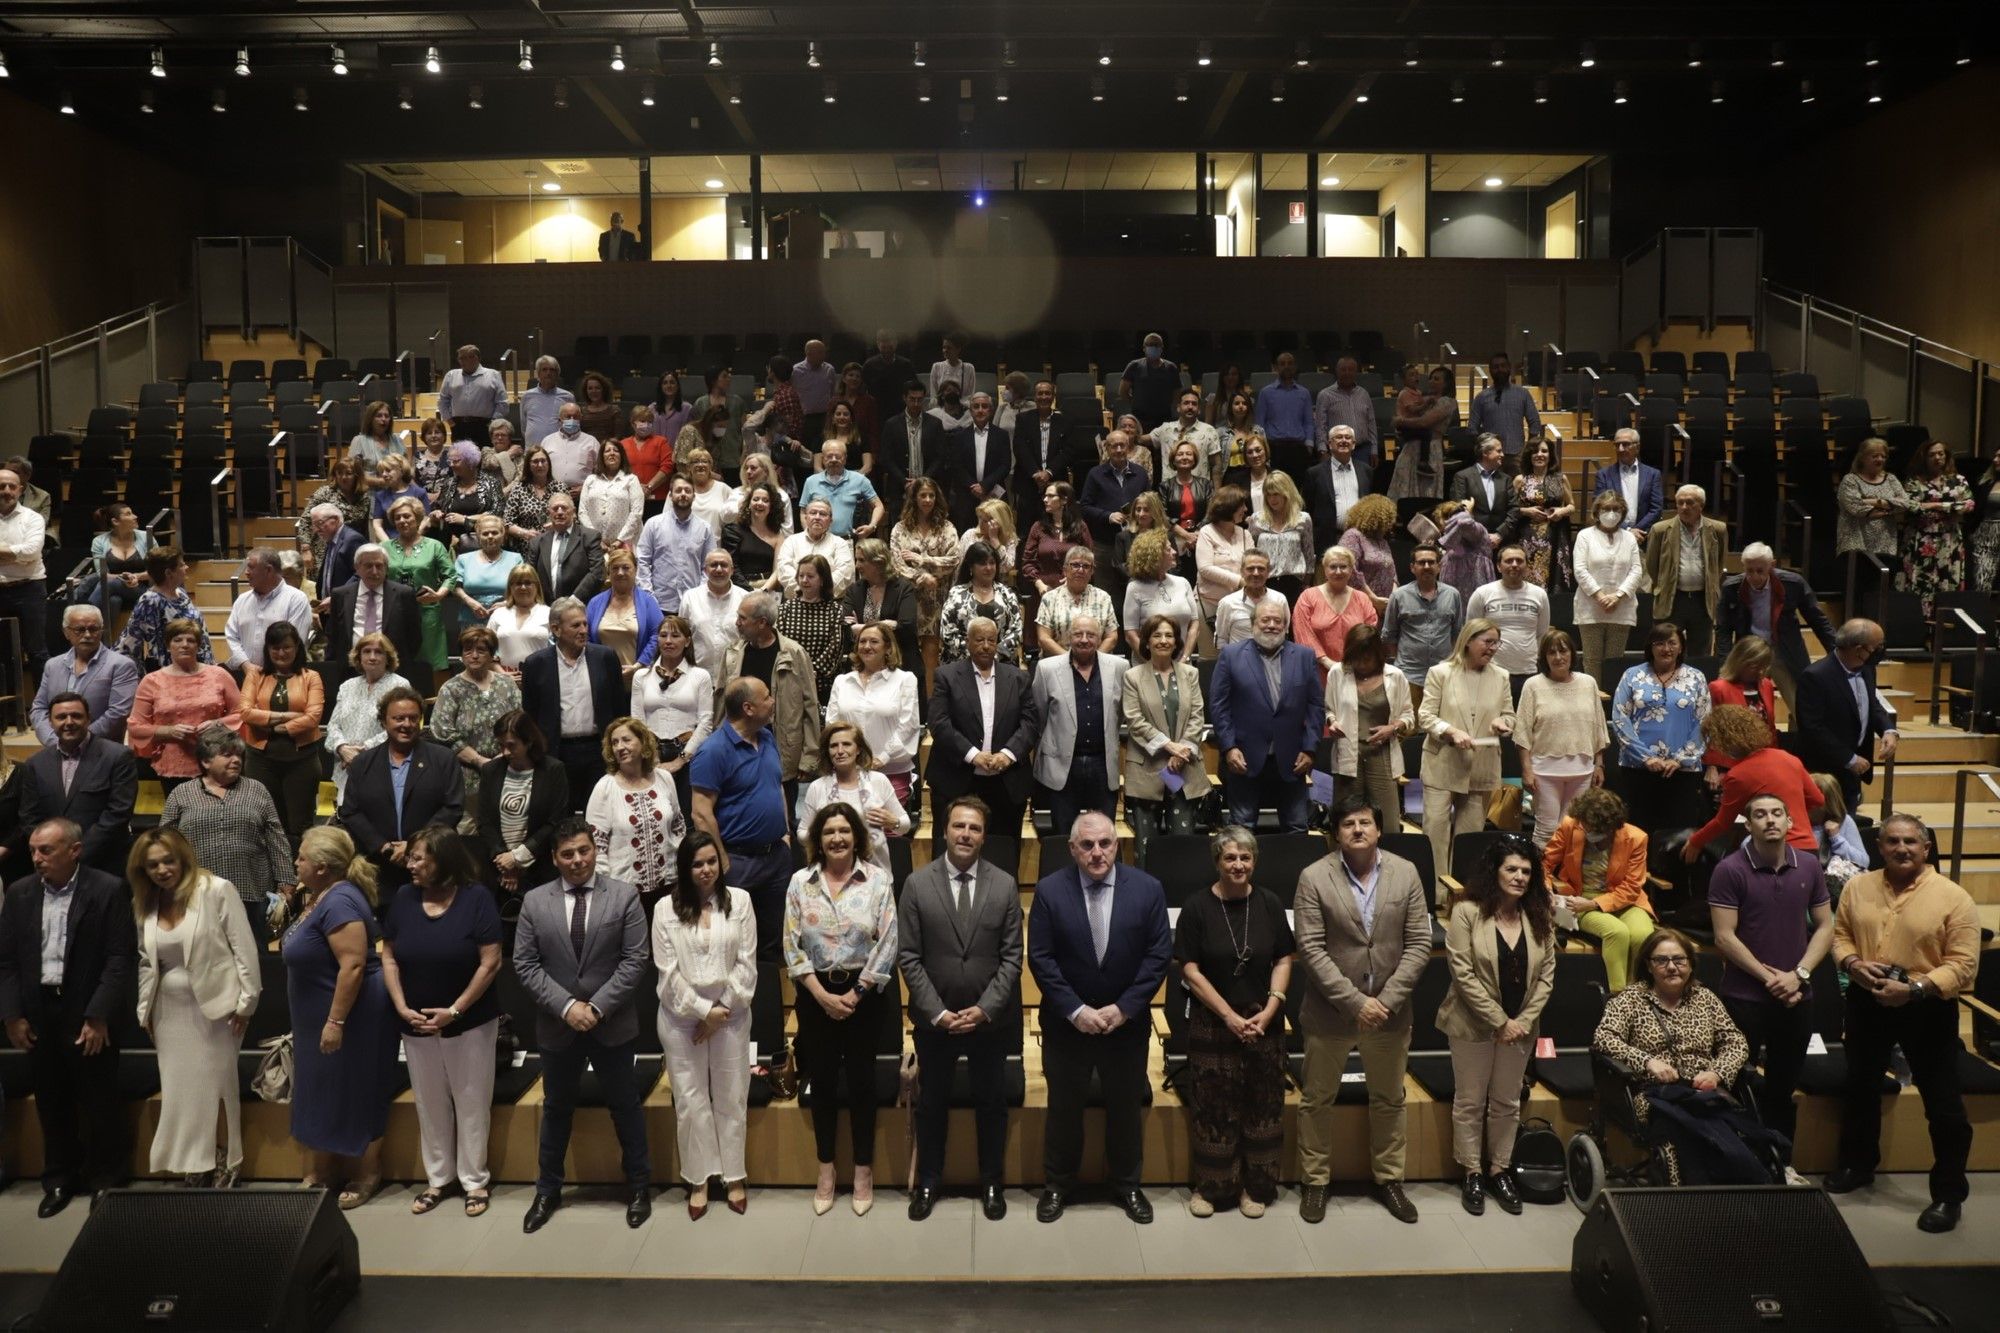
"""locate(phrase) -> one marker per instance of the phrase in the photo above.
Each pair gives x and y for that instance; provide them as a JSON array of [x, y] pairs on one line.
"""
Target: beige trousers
[[1385, 1057], [1448, 814], [1486, 1107]]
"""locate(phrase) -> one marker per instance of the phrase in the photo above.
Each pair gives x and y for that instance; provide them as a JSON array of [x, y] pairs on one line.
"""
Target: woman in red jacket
[[1744, 679], [1757, 767]]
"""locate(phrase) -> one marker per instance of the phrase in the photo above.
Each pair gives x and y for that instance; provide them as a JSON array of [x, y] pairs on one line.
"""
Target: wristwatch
[[1803, 974], [1919, 988]]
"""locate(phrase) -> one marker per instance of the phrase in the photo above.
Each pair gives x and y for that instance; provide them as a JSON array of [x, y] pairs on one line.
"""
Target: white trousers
[[452, 1078], [1448, 814], [711, 1086], [1552, 797]]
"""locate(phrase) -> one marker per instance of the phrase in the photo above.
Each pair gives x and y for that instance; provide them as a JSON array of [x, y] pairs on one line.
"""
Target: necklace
[[1242, 951]]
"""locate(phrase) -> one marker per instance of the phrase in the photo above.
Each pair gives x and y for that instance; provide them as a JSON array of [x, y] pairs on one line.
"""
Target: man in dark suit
[[373, 604], [86, 779], [958, 940], [913, 444], [980, 460], [616, 245], [1639, 484], [1840, 717], [580, 950], [1108, 492], [1098, 943], [1335, 486], [975, 752], [1487, 488], [568, 557], [886, 373], [68, 967], [1268, 745], [1773, 604], [336, 567], [1041, 454], [403, 784], [574, 689]]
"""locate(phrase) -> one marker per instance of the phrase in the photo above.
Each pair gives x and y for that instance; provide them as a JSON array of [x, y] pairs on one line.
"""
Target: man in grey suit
[[1364, 935], [1487, 488], [958, 932], [1079, 697], [580, 949]]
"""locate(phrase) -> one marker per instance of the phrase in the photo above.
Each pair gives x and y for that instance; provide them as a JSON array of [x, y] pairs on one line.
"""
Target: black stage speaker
[[1715, 1259], [215, 1260]]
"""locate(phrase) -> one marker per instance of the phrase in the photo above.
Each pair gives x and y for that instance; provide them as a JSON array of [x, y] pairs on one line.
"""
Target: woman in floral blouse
[[923, 548], [145, 636], [979, 592], [840, 948], [1542, 510], [525, 507], [1934, 536], [1669, 1028], [636, 813], [470, 704], [1656, 717]]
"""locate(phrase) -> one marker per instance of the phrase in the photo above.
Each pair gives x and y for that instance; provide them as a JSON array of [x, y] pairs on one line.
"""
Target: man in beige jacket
[[1684, 561], [1364, 935]]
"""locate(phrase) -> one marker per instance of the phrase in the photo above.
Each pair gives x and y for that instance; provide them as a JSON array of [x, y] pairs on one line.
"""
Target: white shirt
[[716, 506], [837, 551], [885, 708], [978, 452], [1628, 486], [1206, 442], [579, 718], [520, 634], [253, 615], [985, 683], [713, 620], [571, 461], [1523, 617], [614, 506], [21, 536], [874, 793], [961, 374], [1346, 492], [1236, 619], [687, 705], [1607, 562]]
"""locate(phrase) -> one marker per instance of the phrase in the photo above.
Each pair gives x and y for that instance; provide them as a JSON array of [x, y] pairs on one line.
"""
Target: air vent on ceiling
[[569, 168], [401, 169]]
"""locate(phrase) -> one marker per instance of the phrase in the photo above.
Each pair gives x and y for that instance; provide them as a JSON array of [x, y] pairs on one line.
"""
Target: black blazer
[[548, 802], [1825, 727], [1732, 619], [899, 603], [961, 477], [582, 572], [1320, 502], [610, 699], [892, 454], [402, 622], [1028, 460], [100, 975], [433, 793], [100, 800], [1465, 485], [956, 727]]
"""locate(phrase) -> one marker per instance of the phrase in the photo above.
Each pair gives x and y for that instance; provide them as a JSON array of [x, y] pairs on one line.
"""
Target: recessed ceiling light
[[339, 61], [1457, 91], [1097, 88], [1302, 53], [1541, 91], [1805, 92], [1277, 87], [1871, 55], [552, 186], [1180, 88], [299, 98], [1499, 57], [432, 62], [1587, 57], [1041, 180], [1715, 92], [1492, 182], [646, 93], [1694, 55], [1361, 96], [218, 102], [1329, 181], [829, 92], [925, 181], [1777, 55], [1000, 89], [1621, 93], [711, 184], [1204, 53], [924, 89], [1874, 92], [403, 102], [1104, 53], [1409, 55], [68, 107]]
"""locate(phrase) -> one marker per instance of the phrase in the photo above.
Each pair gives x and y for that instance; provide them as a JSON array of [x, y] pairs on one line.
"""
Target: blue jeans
[[562, 1072], [1275, 785]]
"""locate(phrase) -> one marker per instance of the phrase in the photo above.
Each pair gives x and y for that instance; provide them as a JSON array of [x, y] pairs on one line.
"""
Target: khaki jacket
[[221, 957], [1663, 561], [1471, 1009], [1146, 731], [796, 721], [1470, 701], [1341, 963]]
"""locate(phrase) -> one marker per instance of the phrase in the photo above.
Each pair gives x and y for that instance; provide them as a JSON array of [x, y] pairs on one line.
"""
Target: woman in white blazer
[[1466, 714], [705, 946], [1164, 716], [1609, 572], [1368, 702], [198, 985]]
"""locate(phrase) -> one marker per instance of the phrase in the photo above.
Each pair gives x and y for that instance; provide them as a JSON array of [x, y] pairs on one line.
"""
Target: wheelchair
[[1589, 1165]]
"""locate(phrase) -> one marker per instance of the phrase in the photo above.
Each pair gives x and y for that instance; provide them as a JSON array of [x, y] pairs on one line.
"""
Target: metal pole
[[756, 206], [1312, 206], [1958, 821]]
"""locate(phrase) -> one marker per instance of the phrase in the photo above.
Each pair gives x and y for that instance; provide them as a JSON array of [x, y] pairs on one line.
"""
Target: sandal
[[420, 1205], [477, 1204], [357, 1193]]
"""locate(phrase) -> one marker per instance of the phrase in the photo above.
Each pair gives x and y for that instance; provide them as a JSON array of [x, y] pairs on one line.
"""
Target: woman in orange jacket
[[1596, 866]]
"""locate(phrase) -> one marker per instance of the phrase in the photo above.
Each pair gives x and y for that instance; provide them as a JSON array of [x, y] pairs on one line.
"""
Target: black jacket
[[899, 603], [100, 799], [100, 974], [1321, 504], [1825, 729], [1465, 485], [610, 699], [402, 622], [433, 793], [956, 727], [1732, 618], [892, 453], [548, 802], [582, 572]]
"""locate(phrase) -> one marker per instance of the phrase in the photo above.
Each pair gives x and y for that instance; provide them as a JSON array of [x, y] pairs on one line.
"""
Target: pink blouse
[[1218, 564], [1373, 560], [1316, 625], [171, 698]]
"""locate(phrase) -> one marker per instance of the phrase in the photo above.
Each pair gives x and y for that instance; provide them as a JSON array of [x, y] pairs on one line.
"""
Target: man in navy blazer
[[980, 459], [574, 738], [1098, 945], [1268, 746], [1325, 482], [1639, 483], [1833, 731], [336, 567]]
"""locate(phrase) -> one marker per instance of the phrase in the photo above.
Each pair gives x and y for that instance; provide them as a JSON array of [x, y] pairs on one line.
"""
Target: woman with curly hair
[[923, 548], [1596, 867], [602, 418], [1369, 524], [1542, 511], [1934, 537], [1501, 946], [1758, 767]]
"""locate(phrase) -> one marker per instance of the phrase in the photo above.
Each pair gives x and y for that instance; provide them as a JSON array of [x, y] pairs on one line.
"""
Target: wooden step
[[1935, 783]]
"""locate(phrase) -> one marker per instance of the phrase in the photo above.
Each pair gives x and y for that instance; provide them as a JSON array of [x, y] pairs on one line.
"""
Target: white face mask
[[1608, 520]]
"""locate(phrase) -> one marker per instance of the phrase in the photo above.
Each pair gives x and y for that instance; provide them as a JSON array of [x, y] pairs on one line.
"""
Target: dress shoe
[[1473, 1193], [1504, 1190], [1939, 1216], [822, 1204], [1250, 1208], [1846, 1180], [1390, 1195], [1136, 1205], [740, 1206], [1051, 1205], [640, 1208], [697, 1211], [994, 1203], [1312, 1203], [922, 1199], [55, 1200], [539, 1212]]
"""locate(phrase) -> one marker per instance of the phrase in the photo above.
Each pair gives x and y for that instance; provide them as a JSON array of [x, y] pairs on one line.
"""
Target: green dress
[[428, 566], [466, 715]]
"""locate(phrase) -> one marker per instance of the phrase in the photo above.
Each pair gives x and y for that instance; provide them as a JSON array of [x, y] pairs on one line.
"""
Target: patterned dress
[[816, 627], [1986, 540], [1548, 553], [638, 832], [433, 474], [1468, 555], [427, 565], [962, 606], [1934, 539], [525, 507], [145, 636], [934, 551], [465, 715]]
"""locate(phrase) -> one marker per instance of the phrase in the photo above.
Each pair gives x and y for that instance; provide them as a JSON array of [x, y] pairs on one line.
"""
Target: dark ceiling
[[1463, 92]]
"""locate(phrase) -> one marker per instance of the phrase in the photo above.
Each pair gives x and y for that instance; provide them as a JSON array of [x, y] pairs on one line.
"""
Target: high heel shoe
[[823, 1193], [697, 1210], [864, 1192], [739, 1198]]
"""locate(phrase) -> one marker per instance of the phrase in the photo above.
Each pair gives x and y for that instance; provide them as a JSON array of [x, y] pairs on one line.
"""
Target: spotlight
[[1621, 93], [1007, 53], [1104, 53], [1409, 55], [617, 57], [159, 68], [1777, 55], [1715, 92], [1457, 91], [715, 55], [242, 62], [1000, 89], [1871, 55], [68, 107], [1097, 87], [812, 55], [218, 101], [917, 54], [924, 89], [1587, 58], [735, 91], [1492, 182], [1499, 53], [1964, 56], [829, 92], [299, 98], [475, 98], [3, 64], [1204, 53], [1694, 55], [562, 94], [1302, 53], [403, 100], [979, 199], [1180, 88], [1277, 87], [431, 61], [146, 101], [339, 61], [526, 63], [1361, 95], [1805, 92], [1541, 91], [1874, 92], [646, 93]]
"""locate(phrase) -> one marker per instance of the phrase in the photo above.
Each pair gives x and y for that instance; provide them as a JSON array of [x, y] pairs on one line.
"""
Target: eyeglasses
[[1672, 961]]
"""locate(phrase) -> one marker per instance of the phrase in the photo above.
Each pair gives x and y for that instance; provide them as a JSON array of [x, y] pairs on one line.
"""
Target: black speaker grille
[[1717, 1259]]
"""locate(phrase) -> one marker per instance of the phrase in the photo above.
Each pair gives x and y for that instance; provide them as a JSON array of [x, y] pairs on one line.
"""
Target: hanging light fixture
[[618, 57], [924, 89], [218, 101], [432, 62], [1204, 53], [146, 101], [1097, 87], [299, 98], [1104, 53], [1277, 87], [404, 102], [812, 55], [475, 98], [646, 93], [829, 91], [1541, 90], [1587, 57], [562, 94], [340, 61], [917, 54], [1000, 88], [159, 65], [1621, 93], [1409, 55], [1457, 91], [1180, 88], [242, 62], [526, 63], [715, 55], [735, 91]]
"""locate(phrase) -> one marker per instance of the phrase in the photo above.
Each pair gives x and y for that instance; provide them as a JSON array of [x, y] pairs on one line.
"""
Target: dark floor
[[1488, 1302]]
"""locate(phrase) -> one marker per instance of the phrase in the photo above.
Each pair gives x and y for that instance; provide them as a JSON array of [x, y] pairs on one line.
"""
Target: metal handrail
[[1882, 572], [1806, 522], [215, 484], [1965, 775], [67, 588], [1939, 689], [405, 368], [512, 379], [270, 475]]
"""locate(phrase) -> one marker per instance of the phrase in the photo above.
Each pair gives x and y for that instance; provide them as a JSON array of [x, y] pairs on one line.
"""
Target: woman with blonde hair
[[1330, 608], [1467, 700], [343, 1033], [1842, 854], [1872, 504], [356, 721], [1146, 513], [521, 621], [199, 982], [993, 523], [1369, 524], [1283, 530], [424, 566]]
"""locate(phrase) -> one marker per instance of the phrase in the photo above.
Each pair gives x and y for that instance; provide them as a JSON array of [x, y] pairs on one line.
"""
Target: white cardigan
[[1343, 707], [221, 953], [1607, 562]]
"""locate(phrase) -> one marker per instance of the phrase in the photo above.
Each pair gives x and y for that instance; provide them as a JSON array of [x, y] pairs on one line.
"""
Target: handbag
[[1539, 1169], [273, 1079]]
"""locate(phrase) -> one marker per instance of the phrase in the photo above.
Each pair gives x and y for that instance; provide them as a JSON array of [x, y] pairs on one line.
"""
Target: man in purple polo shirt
[[1760, 899]]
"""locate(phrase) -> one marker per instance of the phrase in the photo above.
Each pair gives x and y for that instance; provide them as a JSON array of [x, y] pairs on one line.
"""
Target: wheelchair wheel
[[1583, 1171]]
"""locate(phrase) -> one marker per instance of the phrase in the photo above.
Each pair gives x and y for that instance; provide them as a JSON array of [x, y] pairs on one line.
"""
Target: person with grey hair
[[540, 404], [501, 459], [816, 538], [1109, 492], [233, 825], [785, 668], [339, 544], [1684, 556], [1080, 697], [1637, 483], [268, 600], [977, 462], [616, 245], [737, 777], [1841, 720], [471, 396], [574, 689], [106, 680], [1775, 605]]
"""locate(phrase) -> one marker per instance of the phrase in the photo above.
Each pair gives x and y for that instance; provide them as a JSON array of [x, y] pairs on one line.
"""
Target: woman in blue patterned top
[[1656, 718], [840, 947], [145, 637]]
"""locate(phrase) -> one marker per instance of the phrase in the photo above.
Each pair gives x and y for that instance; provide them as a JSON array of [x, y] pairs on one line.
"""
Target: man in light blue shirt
[[843, 490], [1506, 409], [471, 396], [107, 681], [673, 546], [540, 404], [1285, 411]]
